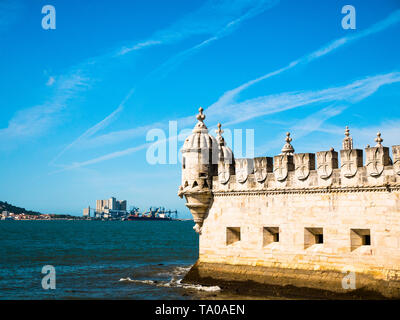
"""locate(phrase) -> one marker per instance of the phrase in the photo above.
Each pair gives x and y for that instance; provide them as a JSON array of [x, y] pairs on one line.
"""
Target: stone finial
[[378, 140], [219, 133], [288, 148], [201, 116], [347, 141], [200, 126]]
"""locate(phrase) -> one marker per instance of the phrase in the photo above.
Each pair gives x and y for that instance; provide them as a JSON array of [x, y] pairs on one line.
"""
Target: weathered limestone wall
[[295, 219], [335, 205]]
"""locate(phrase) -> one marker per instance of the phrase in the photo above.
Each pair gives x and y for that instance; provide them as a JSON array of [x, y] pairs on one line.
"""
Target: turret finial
[[347, 131], [200, 116], [288, 148], [378, 140], [219, 133], [200, 126], [347, 141]]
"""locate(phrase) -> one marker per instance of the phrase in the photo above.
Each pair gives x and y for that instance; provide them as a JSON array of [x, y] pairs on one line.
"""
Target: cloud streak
[[224, 31], [304, 127], [351, 93], [36, 120], [230, 95], [99, 126], [261, 106], [213, 18]]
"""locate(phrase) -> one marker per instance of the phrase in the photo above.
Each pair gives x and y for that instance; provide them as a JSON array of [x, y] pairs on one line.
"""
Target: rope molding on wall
[[382, 188]]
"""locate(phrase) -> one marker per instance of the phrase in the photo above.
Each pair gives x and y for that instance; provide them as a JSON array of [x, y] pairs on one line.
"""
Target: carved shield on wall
[[223, 172], [302, 165], [260, 169], [280, 167], [349, 162], [324, 160], [396, 159], [375, 161], [243, 167]]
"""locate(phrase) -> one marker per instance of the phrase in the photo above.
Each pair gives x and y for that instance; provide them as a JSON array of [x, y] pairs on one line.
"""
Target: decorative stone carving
[[304, 162], [288, 148], [377, 157], [224, 172], [198, 202], [396, 159], [326, 162], [282, 165], [378, 140], [243, 167], [262, 165], [225, 153], [199, 151], [351, 160], [347, 141], [225, 164]]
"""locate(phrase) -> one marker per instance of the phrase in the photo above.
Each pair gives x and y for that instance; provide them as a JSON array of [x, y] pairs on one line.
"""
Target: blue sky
[[77, 102]]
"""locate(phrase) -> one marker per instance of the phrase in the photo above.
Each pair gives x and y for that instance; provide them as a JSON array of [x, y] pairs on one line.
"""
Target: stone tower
[[199, 165]]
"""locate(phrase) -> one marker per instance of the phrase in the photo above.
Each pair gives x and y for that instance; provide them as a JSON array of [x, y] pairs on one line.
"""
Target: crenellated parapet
[[210, 169], [324, 170], [297, 219]]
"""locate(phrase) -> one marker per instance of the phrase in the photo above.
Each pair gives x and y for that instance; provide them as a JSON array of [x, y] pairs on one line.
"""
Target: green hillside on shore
[[4, 206]]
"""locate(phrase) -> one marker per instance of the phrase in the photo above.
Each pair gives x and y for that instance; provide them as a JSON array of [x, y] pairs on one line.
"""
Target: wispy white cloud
[[35, 120], [230, 95], [261, 106], [252, 108], [362, 136], [212, 18], [109, 156], [50, 81], [99, 126], [218, 108], [301, 127], [224, 30], [208, 19]]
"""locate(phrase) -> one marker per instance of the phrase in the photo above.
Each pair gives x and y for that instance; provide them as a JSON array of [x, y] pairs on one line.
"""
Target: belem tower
[[297, 219]]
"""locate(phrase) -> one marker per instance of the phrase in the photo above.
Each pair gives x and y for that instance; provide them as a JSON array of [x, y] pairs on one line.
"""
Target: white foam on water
[[138, 281], [175, 283]]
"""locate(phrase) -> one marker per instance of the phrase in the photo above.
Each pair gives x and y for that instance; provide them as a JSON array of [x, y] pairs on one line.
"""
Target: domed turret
[[200, 157], [199, 164]]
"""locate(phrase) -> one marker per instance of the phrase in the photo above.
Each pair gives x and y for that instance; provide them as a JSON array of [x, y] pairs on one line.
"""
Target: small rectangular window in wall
[[313, 236], [359, 237], [232, 235], [270, 235]]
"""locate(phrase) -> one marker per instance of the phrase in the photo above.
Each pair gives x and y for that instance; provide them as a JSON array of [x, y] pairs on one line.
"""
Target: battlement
[[309, 171], [294, 219]]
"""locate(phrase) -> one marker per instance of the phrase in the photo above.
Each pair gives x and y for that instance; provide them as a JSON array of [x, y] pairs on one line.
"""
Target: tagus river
[[99, 260]]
